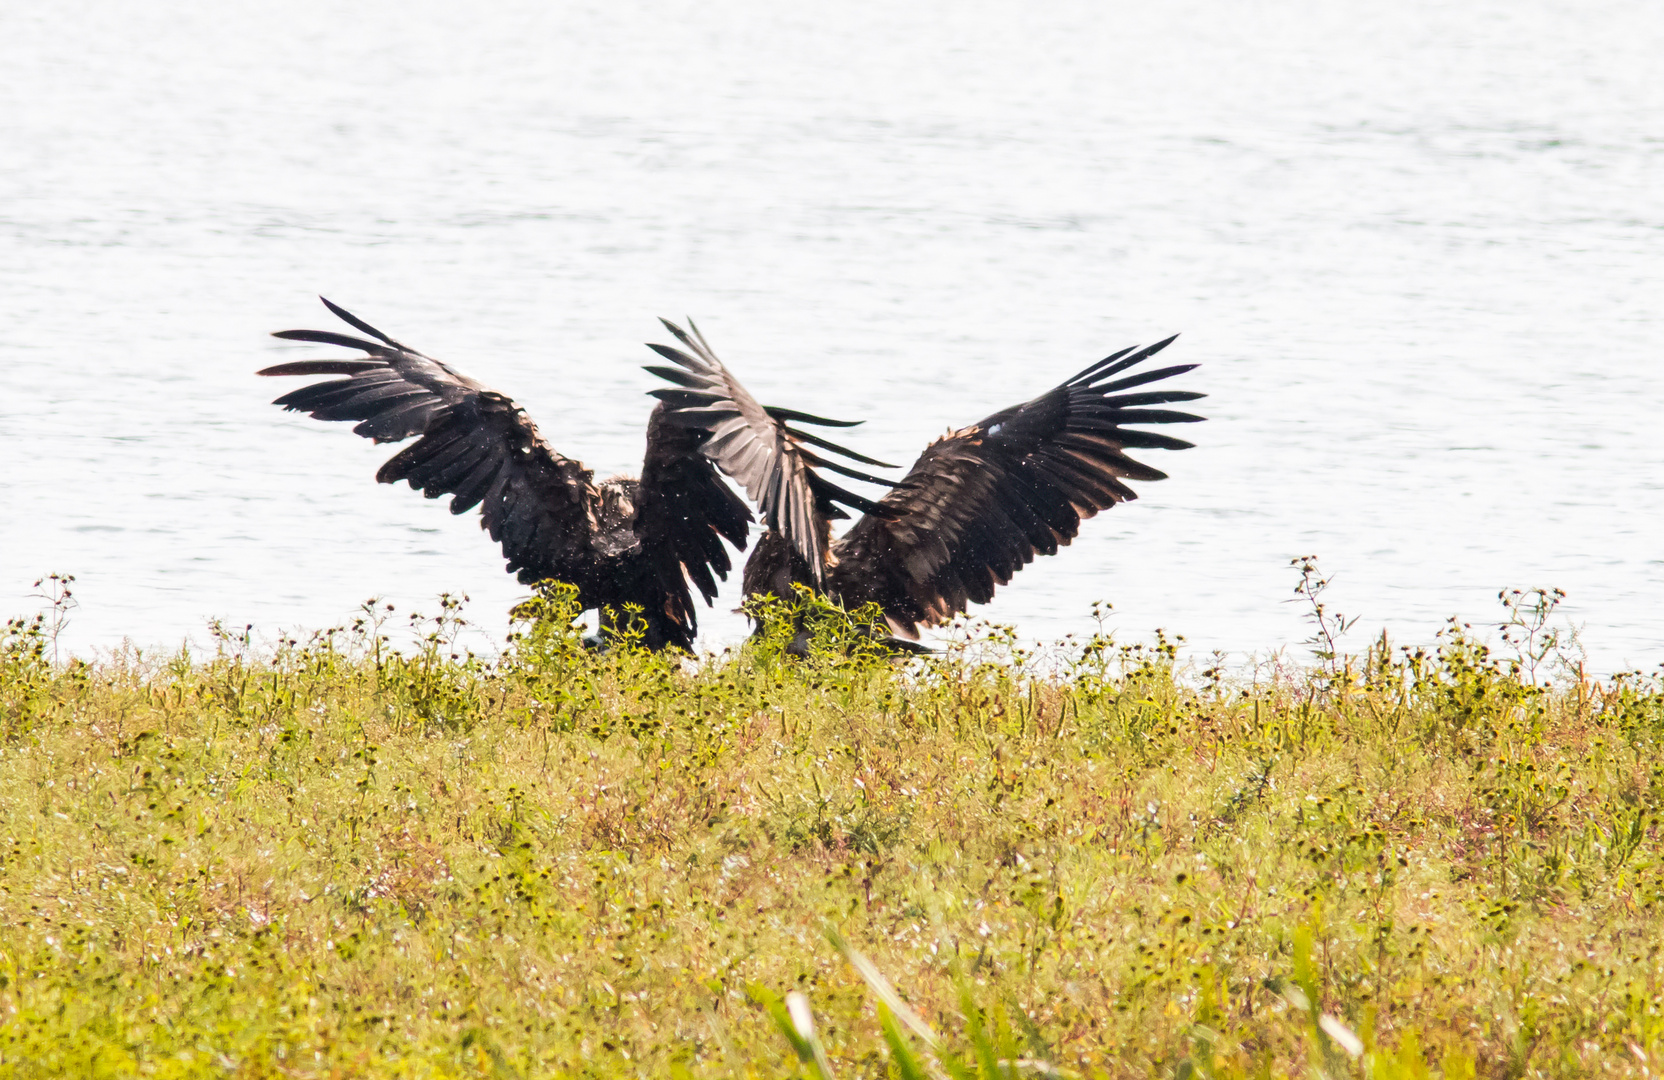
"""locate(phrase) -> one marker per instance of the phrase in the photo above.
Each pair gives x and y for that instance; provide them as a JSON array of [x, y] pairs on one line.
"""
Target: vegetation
[[337, 857]]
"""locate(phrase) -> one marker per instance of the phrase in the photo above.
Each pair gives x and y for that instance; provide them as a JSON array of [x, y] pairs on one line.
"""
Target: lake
[[1418, 249]]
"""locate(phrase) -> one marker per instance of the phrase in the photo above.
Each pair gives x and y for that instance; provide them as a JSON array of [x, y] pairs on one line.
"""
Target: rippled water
[[1416, 246]]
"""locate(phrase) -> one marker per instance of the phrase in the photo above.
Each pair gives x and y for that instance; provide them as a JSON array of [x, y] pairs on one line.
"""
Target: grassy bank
[[338, 858]]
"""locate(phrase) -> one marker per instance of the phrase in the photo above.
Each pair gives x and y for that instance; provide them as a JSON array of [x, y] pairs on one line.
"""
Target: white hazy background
[[1418, 248]]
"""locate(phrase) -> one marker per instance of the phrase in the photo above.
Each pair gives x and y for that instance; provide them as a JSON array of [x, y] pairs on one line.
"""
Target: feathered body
[[977, 506], [621, 542]]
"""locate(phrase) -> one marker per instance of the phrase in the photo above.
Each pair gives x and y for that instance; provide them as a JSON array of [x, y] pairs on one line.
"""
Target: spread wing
[[757, 446], [981, 502], [683, 512], [474, 444]]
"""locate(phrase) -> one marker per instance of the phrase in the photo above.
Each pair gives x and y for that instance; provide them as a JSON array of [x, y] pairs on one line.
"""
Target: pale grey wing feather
[[745, 442]]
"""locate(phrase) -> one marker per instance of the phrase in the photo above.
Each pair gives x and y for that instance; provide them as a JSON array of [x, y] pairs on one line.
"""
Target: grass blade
[[906, 1064], [881, 986]]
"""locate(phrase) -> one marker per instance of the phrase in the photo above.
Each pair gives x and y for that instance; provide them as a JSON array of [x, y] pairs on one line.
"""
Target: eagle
[[977, 506], [622, 542]]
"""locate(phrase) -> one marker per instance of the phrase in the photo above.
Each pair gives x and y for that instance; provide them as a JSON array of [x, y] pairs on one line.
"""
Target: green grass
[[335, 858]]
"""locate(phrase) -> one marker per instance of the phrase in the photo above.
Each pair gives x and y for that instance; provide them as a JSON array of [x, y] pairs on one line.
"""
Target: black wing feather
[[684, 511], [471, 443]]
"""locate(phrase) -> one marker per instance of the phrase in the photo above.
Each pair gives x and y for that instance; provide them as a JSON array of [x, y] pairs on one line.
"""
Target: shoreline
[[343, 859]]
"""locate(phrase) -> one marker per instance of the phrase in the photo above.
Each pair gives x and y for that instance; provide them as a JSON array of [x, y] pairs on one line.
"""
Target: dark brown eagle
[[976, 507], [621, 541]]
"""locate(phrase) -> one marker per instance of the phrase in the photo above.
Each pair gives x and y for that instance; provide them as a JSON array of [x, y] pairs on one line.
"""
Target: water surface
[[1416, 247]]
